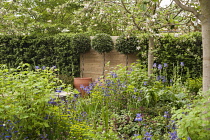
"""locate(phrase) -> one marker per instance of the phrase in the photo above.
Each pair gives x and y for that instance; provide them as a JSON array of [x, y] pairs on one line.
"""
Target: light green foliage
[[29, 108], [38, 17], [116, 99], [24, 98], [193, 119]]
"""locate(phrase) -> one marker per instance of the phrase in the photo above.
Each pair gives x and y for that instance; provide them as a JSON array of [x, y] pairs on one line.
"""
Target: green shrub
[[81, 43], [102, 43], [29, 108], [193, 120], [127, 44]]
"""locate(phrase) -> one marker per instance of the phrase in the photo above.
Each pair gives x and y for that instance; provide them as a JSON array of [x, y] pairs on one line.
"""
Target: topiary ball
[[102, 43], [81, 43], [127, 44]]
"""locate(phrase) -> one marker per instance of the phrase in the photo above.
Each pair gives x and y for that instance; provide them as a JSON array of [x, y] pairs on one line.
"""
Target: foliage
[[174, 50], [127, 44], [194, 85], [81, 43], [126, 104], [114, 102], [102, 43], [38, 17], [41, 51], [193, 119], [31, 110]]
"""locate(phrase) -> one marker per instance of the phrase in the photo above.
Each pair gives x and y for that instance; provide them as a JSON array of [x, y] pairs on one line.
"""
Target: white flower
[[153, 20], [176, 35], [154, 16], [138, 48]]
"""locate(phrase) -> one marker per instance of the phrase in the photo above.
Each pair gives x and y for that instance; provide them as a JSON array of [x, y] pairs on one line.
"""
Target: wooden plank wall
[[94, 62]]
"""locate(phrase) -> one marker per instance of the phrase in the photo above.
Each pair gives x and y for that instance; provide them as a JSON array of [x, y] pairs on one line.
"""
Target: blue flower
[[145, 83], [164, 80], [160, 66], [114, 75], [76, 95], [173, 135], [53, 67], [43, 67], [188, 138], [165, 65], [138, 117], [155, 65], [37, 67], [158, 78], [136, 135], [166, 114], [52, 102], [147, 136], [134, 96], [182, 64], [58, 91]]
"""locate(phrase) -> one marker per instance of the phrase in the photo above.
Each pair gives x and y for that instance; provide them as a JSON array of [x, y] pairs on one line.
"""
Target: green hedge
[[173, 50], [40, 51], [57, 50]]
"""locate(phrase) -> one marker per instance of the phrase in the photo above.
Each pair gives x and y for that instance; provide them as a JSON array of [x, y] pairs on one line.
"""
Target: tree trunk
[[150, 55], [205, 11]]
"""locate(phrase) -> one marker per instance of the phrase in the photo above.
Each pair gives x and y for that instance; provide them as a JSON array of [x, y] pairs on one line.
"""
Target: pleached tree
[[201, 10]]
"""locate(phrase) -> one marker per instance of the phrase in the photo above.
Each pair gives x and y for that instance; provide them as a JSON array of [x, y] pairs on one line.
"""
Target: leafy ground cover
[[126, 104]]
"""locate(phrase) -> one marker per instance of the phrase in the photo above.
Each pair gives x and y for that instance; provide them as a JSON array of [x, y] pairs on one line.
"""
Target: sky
[[165, 3]]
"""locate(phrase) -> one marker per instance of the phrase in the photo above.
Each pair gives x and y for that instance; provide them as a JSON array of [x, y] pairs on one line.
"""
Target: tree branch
[[132, 16], [190, 9]]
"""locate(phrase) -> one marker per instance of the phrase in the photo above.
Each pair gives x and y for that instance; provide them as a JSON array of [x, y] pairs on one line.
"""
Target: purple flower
[[138, 117], [166, 114], [158, 78], [155, 65], [58, 91], [76, 95], [37, 67], [114, 75], [147, 136], [43, 67], [188, 138], [182, 64], [145, 83], [136, 135], [173, 135], [53, 67], [134, 96], [160, 66], [165, 65]]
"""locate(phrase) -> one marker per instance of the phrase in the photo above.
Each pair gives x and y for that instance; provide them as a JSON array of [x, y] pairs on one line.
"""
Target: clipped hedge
[[102, 43], [173, 50], [58, 50], [185, 48], [127, 44], [40, 51]]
